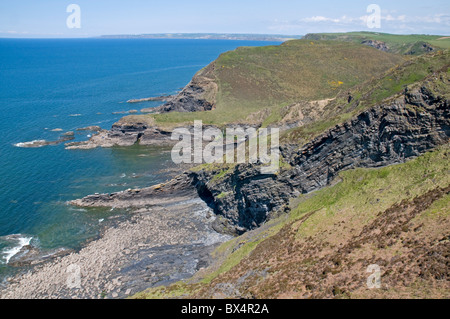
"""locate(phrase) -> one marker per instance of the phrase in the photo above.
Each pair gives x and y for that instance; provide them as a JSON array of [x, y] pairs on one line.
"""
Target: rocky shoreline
[[166, 240], [162, 98]]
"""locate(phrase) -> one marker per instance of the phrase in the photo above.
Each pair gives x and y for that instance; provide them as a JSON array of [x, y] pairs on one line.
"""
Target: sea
[[49, 87]]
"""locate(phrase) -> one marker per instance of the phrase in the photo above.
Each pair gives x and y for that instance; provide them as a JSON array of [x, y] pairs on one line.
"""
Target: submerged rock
[[30, 255], [40, 143], [90, 128]]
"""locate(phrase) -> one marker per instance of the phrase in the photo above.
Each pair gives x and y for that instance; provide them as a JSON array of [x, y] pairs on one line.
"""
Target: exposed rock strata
[[379, 45], [405, 127], [198, 95], [126, 133], [387, 134]]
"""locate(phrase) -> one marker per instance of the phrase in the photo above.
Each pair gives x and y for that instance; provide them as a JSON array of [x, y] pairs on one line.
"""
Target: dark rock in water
[[30, 255], [34, 144], [40, 143], [90, 128], [162, 98], [245, 197]]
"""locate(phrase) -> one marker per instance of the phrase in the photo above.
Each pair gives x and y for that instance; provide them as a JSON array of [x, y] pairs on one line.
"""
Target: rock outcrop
[[68, 136], [198, 95], [128, 131], [93, 128], [379, 45], [162, 98]]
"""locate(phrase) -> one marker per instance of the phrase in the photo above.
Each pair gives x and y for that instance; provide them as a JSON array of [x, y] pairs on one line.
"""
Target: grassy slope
[[332, 236], [400, 44], [252, 79], [269, 78], [373, 92]]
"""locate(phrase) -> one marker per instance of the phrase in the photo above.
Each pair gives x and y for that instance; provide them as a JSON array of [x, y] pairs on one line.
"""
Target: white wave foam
[[36, 143], [78, 209], [20, 243]]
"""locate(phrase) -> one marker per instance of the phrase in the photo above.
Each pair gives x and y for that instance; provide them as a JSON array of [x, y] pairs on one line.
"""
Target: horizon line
[[167, 34]]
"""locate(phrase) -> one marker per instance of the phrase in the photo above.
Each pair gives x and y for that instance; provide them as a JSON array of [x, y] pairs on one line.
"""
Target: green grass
[[375, 91], [251, 79], [357, 199], [439, 209], [363, 193], [400, 44]]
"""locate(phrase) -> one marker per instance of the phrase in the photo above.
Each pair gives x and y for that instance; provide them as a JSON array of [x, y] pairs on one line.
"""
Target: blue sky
[[47, 18]]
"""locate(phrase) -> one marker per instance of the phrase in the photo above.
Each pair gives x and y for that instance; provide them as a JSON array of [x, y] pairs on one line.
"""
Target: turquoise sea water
[[69, 84]]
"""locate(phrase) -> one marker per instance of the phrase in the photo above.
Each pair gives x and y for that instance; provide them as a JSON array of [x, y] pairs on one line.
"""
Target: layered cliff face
[[404, 127], [387, 134], [343, 214], [392, 222], [198, 95]]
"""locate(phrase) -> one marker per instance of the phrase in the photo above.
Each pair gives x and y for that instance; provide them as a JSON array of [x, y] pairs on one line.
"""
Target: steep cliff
[[198, 95]]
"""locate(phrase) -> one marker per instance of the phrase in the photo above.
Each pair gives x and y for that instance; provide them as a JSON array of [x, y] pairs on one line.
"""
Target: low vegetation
[[376, 90], [414, 44], [269, 78], [389, 216]]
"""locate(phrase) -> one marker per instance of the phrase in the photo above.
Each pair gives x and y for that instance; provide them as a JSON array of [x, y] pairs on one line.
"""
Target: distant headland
[[207, 36]]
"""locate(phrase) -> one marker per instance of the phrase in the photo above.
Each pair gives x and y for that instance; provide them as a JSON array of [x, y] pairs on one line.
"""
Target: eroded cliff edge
[[198, 95]]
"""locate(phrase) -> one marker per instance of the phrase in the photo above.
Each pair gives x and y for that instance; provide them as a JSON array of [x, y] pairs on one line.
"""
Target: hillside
[[415, 44], [361, 97], [247, 80], [396, 217]]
